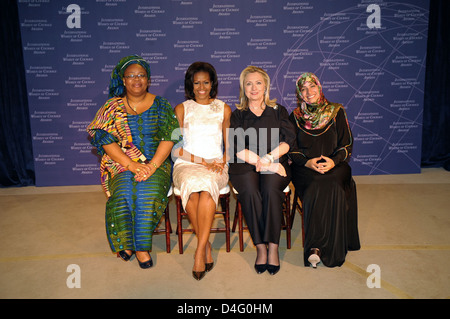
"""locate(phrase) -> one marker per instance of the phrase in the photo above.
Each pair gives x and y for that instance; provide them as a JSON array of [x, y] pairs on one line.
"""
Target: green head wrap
[[116, 87]]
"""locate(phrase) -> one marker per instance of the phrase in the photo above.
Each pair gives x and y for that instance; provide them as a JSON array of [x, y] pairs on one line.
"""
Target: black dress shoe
[[209, 266], [145, 264], [260, 268], [123, 254], [198, 275], [272, 269]]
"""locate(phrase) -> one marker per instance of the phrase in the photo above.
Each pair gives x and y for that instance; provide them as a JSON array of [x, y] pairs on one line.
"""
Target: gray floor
[[403, 222]]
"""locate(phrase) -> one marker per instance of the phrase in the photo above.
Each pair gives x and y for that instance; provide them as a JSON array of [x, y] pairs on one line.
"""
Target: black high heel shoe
[[145, 264], [272, 269], [260, 268], [123, 254], [198, 275], [209, 266]]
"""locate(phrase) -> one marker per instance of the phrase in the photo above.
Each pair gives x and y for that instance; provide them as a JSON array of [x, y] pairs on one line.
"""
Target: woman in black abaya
[[322, 176]]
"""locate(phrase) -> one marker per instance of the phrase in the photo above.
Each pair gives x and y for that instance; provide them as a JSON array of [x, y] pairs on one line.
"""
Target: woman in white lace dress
[[201, 169]]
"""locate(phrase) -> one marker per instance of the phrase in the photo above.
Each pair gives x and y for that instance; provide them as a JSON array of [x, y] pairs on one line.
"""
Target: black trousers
[[261, 197]]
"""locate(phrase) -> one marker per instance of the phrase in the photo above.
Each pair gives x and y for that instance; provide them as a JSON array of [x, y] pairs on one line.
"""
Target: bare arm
[[115, 152], [225, 127]]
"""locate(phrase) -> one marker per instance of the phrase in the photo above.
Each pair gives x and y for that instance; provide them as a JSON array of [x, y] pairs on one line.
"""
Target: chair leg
[[303, 228], [168, 229], [240, 226], [179, 225], [227, 222], [235, 219], [296, 206], [288, 219]]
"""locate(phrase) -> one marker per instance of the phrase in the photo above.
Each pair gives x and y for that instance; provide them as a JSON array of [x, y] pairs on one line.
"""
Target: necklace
[[131, 107]]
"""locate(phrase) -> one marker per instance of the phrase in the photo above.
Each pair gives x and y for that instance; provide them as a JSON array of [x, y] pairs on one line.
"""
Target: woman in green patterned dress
[[133, 134]]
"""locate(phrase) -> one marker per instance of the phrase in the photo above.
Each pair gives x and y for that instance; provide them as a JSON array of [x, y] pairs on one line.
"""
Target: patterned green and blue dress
[[134, 209]]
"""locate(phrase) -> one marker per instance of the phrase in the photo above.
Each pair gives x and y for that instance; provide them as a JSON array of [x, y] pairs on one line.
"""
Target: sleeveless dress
[[202, 136]]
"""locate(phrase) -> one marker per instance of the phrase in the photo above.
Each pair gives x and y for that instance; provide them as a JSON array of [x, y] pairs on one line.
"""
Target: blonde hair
[[243, 98]]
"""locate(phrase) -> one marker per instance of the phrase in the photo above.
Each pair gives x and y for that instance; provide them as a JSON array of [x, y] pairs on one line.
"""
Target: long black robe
[[329, 200]]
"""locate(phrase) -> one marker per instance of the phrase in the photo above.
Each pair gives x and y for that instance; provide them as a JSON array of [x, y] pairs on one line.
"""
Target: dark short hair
[[189, 79]]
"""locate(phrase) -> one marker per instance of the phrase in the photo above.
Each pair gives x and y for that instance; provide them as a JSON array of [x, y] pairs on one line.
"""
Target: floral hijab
[[317, 115]]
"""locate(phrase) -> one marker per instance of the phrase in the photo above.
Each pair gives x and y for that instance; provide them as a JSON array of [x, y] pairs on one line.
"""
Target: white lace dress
[[202, 137]]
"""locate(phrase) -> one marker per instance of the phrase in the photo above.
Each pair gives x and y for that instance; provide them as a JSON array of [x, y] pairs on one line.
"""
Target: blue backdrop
[[369, 54]]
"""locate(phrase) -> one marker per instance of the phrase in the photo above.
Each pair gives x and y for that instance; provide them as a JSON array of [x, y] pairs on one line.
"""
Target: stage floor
[[403, 223]]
